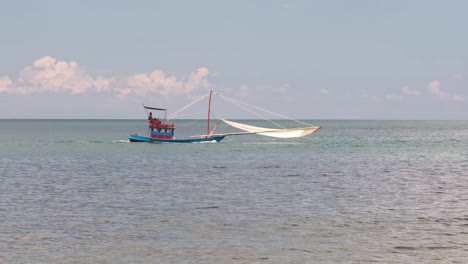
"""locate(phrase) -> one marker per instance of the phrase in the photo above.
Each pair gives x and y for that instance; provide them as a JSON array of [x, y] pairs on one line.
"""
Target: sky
[[311, 59]]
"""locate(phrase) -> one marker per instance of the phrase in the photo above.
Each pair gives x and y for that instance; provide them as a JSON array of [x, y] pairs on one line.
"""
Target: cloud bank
[[434, 87], [47, 75]]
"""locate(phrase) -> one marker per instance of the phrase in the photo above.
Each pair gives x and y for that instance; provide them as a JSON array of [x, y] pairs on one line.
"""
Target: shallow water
[[76, 191]]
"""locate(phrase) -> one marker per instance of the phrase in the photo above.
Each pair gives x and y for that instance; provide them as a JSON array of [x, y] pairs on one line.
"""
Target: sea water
[[77, 191]]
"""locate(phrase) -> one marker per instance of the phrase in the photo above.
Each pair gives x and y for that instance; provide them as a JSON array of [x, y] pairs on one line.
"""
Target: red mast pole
[[209, 110]]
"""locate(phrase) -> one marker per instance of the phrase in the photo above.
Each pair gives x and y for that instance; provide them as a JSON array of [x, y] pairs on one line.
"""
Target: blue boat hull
[[137, 138]]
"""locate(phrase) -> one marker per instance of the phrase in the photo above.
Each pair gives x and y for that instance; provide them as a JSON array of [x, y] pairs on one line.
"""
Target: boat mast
[[209, 110]]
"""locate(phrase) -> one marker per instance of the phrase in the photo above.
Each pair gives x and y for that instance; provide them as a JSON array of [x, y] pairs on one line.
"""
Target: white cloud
[[49, 75], [158, 82], [434, 88], [102, 84], [197, 80], [5, 82], [408, 91]]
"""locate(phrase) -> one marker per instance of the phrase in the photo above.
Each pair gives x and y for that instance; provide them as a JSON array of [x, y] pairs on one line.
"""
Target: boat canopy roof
[[154, 108]]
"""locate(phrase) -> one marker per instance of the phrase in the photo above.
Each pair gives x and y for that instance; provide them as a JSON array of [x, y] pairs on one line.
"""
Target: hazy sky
[[348, 59]]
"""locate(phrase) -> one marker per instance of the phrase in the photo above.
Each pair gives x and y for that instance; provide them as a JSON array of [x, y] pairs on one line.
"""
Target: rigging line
[[171, 116], [146, 112], [251, 111], [213, 114], [258, 108], [190, 114], [267, 111], [215, 117], [188, 124]]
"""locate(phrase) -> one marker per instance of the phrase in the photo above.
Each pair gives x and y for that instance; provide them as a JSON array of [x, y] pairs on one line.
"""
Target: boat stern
[[138, 138]]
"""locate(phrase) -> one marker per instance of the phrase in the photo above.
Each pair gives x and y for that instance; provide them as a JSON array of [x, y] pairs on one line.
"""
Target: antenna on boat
[[144, 108]]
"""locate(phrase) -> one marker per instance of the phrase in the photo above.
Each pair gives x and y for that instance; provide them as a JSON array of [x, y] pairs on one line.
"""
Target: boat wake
[[271, 143], [121, 141], [79, 141], [207, 142]]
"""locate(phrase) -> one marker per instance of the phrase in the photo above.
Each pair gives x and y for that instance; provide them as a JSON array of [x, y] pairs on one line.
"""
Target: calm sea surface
[[76, 191]]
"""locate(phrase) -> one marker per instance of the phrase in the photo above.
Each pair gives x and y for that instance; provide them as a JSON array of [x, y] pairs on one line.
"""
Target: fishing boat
[[162, 131]]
